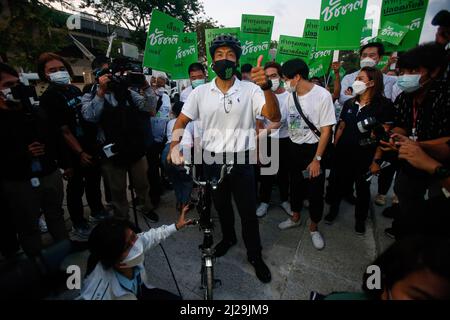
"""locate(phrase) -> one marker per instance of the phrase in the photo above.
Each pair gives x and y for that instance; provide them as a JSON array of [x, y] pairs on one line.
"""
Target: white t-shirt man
[[317, 105], [283, 131], [159, 122], [185, 93], [228, 120], [349, 79]]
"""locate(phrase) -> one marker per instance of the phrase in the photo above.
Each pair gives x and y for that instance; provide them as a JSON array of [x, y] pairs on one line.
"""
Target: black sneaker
[[222, 248], [360, 228], [152, 216], [330, 217], [261, 270], [391, 212], [389, 232]]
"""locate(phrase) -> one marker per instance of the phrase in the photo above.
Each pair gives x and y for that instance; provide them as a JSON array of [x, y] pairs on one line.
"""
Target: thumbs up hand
[[258, 74]]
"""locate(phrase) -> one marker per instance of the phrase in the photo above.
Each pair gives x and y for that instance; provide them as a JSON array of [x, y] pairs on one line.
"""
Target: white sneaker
[[306, 203], [42, 225], [262, 209], [380, 200], [289, 223], [317, 240], [287, 207]]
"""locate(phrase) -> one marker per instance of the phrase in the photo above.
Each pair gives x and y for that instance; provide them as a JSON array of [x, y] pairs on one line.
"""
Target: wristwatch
[[267, 86], [318, 158], [442, 172]]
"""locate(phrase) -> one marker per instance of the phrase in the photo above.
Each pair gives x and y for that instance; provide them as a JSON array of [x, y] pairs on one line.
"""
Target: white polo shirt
[[185, 93], [228, 121], [318, 107]]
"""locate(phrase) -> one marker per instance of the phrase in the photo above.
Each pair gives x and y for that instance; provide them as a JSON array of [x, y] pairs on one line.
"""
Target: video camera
[[125, 73], [371, 125]]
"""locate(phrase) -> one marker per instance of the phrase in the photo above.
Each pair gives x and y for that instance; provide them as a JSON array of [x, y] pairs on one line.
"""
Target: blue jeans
[[182, 183]]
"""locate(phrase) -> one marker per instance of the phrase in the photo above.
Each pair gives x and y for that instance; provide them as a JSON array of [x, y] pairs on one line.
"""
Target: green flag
[[293, 47], [383, 62], [311, 29], [186, 54], [392, 33], [319, 62], [162, 41], [409, 13], [256, 33], [210, 34], [367, 30], [341, 22]]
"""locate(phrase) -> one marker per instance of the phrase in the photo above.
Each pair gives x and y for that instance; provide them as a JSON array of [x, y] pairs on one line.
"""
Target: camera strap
[[309, 123]]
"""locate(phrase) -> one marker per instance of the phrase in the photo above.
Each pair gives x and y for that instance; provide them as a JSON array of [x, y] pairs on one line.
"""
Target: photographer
[[29, 175], [117, 111], [62, 102], [421, 113], [355, 149]]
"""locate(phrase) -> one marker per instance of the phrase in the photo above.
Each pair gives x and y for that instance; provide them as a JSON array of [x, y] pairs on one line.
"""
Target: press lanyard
[[415, 114]]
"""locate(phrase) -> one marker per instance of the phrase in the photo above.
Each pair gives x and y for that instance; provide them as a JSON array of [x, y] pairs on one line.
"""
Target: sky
[[290, 15]]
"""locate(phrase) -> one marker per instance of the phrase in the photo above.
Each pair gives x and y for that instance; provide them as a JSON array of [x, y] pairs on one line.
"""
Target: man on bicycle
[[227, 109]]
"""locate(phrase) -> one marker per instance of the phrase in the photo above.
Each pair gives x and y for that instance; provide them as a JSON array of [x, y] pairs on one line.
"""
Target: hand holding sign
[[258, 74]]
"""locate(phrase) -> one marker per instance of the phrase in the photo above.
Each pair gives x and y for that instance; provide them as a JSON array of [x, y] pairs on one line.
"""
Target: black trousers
[[386, 177], [241, 185], [300, 156], [85, 179], [351, 165], [282, 177], [154, 175]]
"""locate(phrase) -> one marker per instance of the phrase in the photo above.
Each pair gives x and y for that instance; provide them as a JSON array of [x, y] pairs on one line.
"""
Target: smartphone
[[108, 151], [306, 173]]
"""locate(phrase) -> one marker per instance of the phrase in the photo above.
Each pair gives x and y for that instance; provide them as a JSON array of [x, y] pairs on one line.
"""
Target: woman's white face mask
[[136, 255], [60, 77]]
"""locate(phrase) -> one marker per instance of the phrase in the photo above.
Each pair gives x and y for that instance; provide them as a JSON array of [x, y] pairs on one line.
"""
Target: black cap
[[442, 18]]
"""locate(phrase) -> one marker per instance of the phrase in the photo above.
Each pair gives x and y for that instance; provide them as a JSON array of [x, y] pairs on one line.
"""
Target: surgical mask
[[275, 84], [8, 96], [368, 62], [225, 69], [60, 77], [289, 88], [136, 255], [359, 87], [197, 83], [409, 82]]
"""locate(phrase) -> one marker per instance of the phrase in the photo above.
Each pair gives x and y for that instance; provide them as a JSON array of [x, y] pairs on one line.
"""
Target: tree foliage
[[135, 15]]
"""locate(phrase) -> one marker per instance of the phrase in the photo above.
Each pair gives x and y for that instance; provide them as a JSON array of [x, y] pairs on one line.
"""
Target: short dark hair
[[377, 45], [197, 66], [429, 55], [99, 61], [107, 242], [44, 58], [410, 255], [7, 69], [246, 68], [295, 67], [275, 65]]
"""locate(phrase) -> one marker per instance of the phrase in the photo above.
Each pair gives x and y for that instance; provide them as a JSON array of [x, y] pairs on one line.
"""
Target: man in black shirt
[[62, 102], [29, 175], [423, 114]]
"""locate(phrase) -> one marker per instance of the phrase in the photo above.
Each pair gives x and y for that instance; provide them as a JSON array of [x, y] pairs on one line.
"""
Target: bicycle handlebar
[[224, 171]]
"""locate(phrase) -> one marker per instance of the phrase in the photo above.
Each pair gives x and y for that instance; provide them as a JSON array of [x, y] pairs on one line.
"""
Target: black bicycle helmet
[[226, 40]]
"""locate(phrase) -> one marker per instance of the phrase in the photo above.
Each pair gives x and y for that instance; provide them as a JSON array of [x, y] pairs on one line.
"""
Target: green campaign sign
[[293, 47], [409, 13], [255, 36], [341, 22], [311, 29], [210, 34], [186, 54], [367, 30], [319, 62], [392, 33], [383, 62], [162, 41]]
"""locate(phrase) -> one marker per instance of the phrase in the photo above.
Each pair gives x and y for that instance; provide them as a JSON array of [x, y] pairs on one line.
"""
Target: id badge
[[413, 137]]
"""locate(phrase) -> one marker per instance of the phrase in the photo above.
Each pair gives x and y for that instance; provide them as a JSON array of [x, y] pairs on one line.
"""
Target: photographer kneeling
[[116, 264], [118, 112], [362, 117]]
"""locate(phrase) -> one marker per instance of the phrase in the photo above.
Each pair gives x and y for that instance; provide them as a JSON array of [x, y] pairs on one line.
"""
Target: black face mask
[[225, 69]]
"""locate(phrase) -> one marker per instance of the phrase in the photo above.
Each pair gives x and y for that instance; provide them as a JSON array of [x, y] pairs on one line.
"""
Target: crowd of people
[[122, 130]]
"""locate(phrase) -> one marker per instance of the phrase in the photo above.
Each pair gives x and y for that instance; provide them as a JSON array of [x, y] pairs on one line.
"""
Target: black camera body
[[372, 125], [125, 73]]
